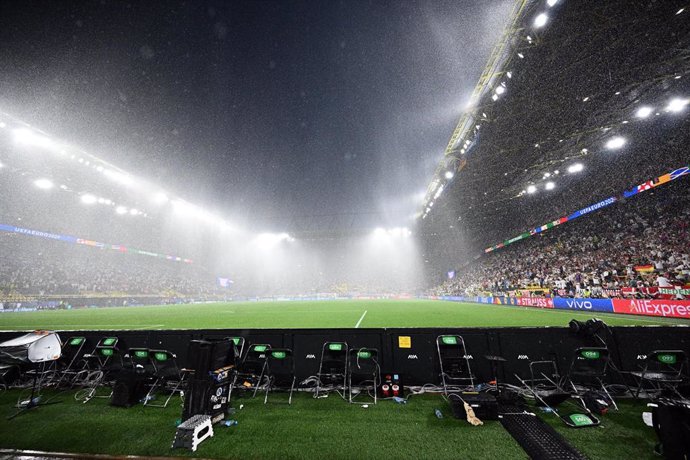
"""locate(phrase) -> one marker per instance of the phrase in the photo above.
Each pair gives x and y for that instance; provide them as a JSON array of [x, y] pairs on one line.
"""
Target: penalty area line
[[361, 318]]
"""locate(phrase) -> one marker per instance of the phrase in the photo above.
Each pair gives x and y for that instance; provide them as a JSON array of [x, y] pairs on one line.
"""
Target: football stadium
[[363, 229]]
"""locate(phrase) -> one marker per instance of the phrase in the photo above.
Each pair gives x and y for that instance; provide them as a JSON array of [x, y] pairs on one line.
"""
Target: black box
[[484, 405], [206, 398], [205, 356]]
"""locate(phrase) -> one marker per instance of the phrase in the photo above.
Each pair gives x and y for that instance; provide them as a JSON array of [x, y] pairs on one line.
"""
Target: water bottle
[[438, 413]]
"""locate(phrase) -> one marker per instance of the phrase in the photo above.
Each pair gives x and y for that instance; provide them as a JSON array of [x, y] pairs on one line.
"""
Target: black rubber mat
[[538, 438]]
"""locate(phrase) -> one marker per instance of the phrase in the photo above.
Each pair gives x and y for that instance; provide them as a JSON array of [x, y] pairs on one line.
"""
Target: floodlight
[[121, 210], [644, 112], [449, 174], [615, 143], [87, 198], [677, 105], [521, 56], [551, 2], [160, 198], [500, 89], [43, 184], [547, 174], [541, 20], [494, 97], [577, 167], [118, 177], [531, 189], [509, 74], [550, 186], [29, 137]]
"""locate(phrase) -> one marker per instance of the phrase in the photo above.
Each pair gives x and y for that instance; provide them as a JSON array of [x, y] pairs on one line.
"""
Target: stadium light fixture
[[43, 184], [677, 105], [118, 177], [615, 143], [121, 210], [160, 198], [531, 189], [575, 168], [87, 198], [500, 89], [644, 112], [550, 186], [449, 175], [28, 137], [541, 20], [551, 2], [494, 97]]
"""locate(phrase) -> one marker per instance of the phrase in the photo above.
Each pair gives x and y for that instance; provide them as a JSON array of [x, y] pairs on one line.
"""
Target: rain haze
[[322, 121]]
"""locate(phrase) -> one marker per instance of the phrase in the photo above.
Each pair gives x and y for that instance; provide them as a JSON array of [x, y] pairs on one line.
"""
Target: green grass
[[311, 314], [323, 428]]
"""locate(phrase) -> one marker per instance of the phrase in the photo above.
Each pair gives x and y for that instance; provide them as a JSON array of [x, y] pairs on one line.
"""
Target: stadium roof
[[580, 101]]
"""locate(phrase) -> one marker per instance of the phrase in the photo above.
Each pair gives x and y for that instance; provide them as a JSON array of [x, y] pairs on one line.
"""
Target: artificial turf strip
[[311, 314], [323, 428]]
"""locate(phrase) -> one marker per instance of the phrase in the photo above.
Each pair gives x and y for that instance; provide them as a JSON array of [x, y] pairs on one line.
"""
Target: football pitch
[[311, 314]]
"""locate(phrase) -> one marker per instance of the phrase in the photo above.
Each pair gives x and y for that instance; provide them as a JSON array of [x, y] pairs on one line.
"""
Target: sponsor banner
[[591, 208], [541, 302], [649, 307], [668, 177], [602, 305], [82, 241]]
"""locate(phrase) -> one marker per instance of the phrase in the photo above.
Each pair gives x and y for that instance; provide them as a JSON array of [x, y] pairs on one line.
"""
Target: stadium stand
[[634, 248], [47, 269]]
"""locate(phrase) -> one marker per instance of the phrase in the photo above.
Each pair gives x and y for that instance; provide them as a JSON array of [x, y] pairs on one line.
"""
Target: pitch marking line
[[361, 318]]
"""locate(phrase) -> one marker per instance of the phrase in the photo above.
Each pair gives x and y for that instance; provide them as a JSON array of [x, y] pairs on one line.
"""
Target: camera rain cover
[[34, 347]]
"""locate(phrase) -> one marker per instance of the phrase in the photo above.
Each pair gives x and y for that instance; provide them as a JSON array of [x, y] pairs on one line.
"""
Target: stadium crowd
[[39, 268], [639, 248]]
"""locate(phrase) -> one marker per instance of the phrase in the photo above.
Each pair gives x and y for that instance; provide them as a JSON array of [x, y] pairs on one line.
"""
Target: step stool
[[192, 432]]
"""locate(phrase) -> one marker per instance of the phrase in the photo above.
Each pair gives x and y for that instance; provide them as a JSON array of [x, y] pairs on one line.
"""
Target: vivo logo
[[579, 304], [523, 357], [642, 357], [468, 357], [412, 357], [311, 357]]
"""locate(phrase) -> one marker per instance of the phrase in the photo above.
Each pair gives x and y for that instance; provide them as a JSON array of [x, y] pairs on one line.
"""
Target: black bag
[[672, 425], [129, 389], [595, 402]]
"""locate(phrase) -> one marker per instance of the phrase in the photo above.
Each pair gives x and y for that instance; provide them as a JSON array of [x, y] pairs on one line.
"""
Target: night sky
[[259, 108]]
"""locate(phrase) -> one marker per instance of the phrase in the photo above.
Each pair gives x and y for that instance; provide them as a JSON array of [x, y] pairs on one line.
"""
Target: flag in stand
[[644, 268]]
